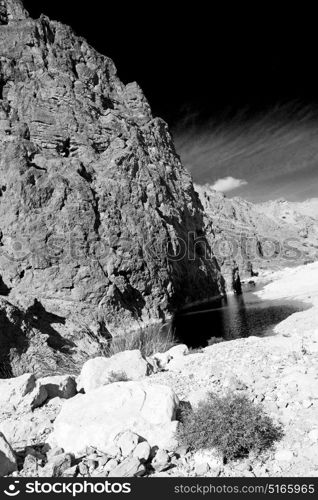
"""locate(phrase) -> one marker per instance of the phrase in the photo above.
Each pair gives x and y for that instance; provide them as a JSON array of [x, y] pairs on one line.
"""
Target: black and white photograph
[[158, 250]]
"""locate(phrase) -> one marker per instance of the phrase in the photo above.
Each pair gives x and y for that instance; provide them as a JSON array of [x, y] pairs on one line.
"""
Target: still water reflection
[[232, 317]]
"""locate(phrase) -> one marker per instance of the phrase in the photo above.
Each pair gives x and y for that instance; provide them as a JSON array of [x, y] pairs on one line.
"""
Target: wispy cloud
[[228, 184], [273, 156]]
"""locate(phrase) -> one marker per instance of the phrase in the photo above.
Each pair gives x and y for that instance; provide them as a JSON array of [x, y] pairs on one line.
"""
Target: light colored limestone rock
[[96, 418], [126, 442], [142, 451], [126, 365]]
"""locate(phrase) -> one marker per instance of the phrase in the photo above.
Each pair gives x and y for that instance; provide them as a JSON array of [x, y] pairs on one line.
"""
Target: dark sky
[[200, 67], [196, 57]]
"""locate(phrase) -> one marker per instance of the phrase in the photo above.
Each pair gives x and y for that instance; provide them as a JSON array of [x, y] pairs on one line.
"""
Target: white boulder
[[142, 451], [172, 358], [8, 462], [13, 390], [126, 442], [178, 351], [96, 418], [126, 365], [20, 391]]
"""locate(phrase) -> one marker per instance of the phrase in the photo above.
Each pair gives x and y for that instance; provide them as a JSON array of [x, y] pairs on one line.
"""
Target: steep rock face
[[259, 236], [99, 221]]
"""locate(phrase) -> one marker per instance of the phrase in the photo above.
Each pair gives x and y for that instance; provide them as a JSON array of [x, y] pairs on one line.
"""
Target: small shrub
[[117, 377], [232, 424]]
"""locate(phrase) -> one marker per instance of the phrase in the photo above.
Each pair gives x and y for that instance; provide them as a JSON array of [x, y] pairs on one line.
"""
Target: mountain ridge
[[290, 228]]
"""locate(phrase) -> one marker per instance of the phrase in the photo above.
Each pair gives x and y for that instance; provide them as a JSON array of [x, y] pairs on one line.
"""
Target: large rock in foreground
[[123, 366], [96, 418]]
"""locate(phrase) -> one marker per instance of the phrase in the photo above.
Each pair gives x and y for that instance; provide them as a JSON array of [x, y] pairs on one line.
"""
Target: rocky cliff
[[247, 237], [100, 226]]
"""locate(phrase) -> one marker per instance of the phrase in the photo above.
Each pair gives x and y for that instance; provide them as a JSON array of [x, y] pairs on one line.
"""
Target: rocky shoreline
[[136, 432]]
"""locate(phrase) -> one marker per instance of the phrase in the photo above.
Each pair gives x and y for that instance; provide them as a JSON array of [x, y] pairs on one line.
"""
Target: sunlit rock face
[[249, 237], [100, 224]]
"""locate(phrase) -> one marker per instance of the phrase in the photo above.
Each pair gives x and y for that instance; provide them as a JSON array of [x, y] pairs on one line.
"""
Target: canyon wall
[[100, 226]]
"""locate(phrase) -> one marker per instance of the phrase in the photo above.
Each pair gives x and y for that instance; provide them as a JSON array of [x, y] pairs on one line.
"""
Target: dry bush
[[232, 424], [153, 339]]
